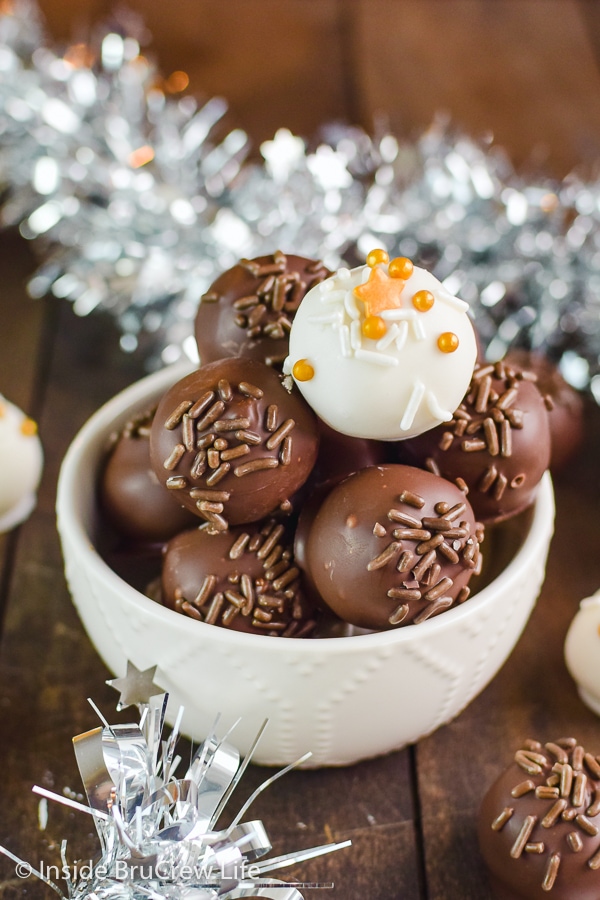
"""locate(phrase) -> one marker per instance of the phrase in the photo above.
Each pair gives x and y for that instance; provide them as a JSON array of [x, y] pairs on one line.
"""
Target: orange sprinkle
[[423, 300], [28, 427], [401, 267], [377, 256], [177, 82], [448, 342], [380, 292], [141, 156], [302, 370], [374, 327]]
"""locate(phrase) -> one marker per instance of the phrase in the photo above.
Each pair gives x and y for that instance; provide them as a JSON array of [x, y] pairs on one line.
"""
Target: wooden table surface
[[529, 71]]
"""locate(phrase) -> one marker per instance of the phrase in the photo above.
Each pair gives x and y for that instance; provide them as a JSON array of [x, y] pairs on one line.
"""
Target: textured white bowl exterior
[[345, 699]]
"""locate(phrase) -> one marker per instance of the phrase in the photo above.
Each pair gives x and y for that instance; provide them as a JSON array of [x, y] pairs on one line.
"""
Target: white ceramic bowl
[[345, 698]]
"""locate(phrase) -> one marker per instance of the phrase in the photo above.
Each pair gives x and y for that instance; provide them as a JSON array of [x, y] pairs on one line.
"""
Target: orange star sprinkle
[[380, 292]]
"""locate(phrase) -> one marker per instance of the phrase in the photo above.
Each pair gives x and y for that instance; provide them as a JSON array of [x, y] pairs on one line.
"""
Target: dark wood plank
[[533, 696], [21, 329], [277, 64], [524, 71]]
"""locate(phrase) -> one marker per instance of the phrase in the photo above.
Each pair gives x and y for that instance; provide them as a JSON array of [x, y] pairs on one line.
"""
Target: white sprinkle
[[389, 338], [380, 359], [287, 366], [446, 297], [325, 287], [355, 335], [435, 409], [345, 347], [402, 335], [399, 315], [412, 406], [43, 814], [418, 330], [332, 318], [332, 297], [350, 305]]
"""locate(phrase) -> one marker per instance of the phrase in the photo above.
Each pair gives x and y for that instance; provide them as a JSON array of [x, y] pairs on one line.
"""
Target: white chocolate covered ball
[[21, 461], [382, 355], [582, 651]]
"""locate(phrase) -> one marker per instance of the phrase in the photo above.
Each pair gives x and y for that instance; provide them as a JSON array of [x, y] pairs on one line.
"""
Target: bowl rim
[[94, 435]]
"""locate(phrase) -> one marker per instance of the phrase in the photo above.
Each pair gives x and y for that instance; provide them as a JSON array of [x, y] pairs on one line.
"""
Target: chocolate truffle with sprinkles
[[393, 545], [249, 309], [539, 824], [497, 443], [244, 579], [231, 444]]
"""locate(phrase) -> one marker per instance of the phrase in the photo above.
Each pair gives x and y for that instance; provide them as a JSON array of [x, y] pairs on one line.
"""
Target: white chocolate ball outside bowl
[[21, 461], [391, 387], [582, 651]]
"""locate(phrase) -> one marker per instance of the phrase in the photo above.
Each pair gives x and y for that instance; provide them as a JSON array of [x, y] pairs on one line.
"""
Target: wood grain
[[526, 69], [523, 70]]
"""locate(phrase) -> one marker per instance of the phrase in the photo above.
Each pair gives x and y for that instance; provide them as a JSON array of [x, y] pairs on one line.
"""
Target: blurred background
[[524, 70]]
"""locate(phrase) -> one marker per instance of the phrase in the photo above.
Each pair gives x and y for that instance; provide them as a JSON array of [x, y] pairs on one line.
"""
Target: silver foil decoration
[[137, 200], [158, 832]]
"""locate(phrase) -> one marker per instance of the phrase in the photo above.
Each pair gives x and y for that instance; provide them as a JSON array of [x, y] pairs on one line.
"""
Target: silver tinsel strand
[[158, 832], [138, 200]]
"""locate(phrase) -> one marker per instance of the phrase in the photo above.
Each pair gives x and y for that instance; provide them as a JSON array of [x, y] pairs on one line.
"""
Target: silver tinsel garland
[[158, 831], [138, 200]]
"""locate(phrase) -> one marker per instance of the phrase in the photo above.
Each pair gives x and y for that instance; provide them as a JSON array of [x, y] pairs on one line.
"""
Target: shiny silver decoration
[[138, 199], [158, 833]]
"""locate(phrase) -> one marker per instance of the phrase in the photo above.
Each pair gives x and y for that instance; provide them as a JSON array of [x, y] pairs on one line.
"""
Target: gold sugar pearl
[[28, 427], [374, 328], [302, 370], [377, 256], [423, 300], [448, 342], [2, 410], [400, 267]]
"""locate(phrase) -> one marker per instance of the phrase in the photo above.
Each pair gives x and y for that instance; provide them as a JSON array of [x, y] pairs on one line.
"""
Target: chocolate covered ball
[[539, 824], [245, 579], [563, 402], [249, 309], [497, 443], [132, 500], [231, 443], [392, 545]]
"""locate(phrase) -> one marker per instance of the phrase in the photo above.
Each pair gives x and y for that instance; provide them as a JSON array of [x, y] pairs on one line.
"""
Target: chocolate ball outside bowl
[[231, 443], [497, 443], [393, 545], [244, 579], [248, 310], [539, 824]]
